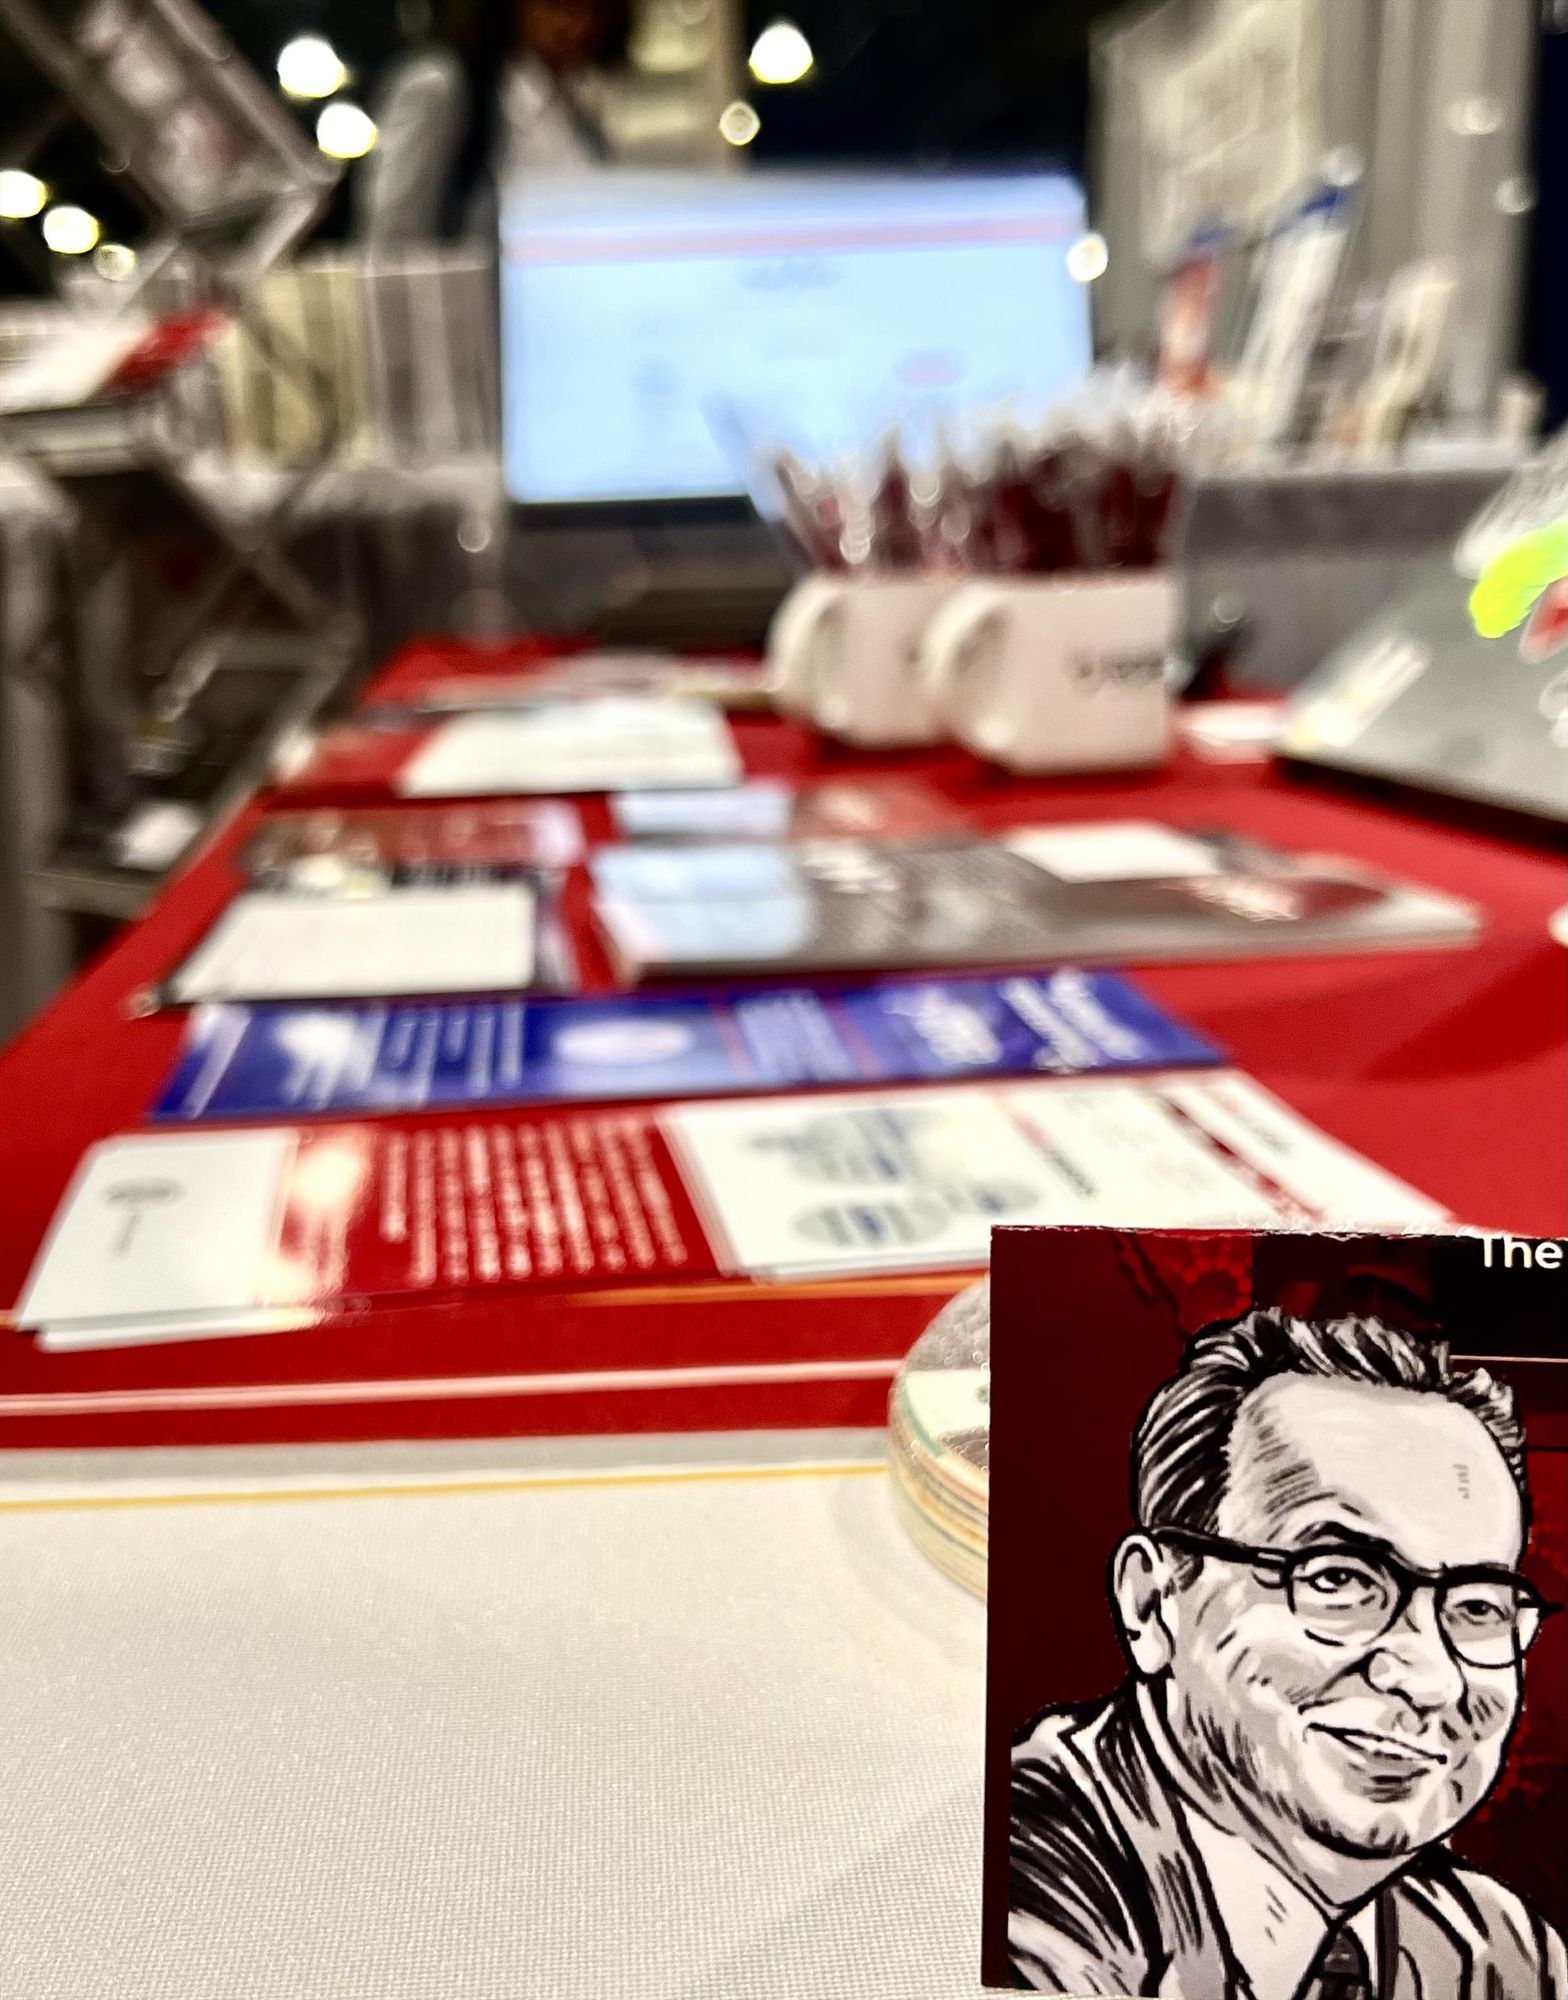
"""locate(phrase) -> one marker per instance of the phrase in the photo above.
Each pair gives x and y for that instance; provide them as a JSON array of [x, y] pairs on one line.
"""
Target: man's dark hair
[[1180, 1455]]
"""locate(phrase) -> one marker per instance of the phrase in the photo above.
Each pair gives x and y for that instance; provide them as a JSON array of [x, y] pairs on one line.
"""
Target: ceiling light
[[1088, 258], [71, 232], [115, 261], [344, 132], [739, 123], [310, 66], [21, 194], [780, 54]]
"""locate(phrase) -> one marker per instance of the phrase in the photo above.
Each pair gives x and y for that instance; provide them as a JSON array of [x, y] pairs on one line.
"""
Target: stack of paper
[[799, 1188], [618, 744], [1114, 893], [168, 1240], [737, 684], [473, 937], [939, 1438], [201, 1234]]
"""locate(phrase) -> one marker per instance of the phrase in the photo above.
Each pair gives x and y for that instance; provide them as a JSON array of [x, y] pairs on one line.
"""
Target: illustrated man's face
[[1377, 1747]]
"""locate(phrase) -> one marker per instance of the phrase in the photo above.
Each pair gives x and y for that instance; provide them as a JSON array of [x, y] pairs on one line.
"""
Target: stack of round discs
[[939, 1437]]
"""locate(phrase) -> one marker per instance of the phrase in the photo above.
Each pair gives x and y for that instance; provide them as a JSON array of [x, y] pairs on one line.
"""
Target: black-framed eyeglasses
[[1350, 1594]]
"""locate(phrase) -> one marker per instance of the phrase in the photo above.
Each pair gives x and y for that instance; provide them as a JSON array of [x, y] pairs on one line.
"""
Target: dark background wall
[[922, 81]]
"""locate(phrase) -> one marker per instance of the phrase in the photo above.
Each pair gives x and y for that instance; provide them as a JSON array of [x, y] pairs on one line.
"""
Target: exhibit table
[[295, 1710], [690, 1720], [1446, 1067]]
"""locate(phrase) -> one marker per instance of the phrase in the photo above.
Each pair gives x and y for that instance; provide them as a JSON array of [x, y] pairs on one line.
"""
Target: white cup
[[1054, 673], [844, 654]]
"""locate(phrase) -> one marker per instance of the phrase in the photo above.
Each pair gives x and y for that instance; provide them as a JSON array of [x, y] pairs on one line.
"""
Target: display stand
[[216, 161], [243, 650]]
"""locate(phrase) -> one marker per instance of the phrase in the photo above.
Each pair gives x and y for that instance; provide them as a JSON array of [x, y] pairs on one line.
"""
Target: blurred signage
[[1231, 127]]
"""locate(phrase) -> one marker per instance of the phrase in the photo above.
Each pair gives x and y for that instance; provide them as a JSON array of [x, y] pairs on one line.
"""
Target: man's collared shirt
[[1275, 1930]]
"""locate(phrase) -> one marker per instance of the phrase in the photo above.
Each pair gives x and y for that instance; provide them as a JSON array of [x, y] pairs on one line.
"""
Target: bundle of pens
[[1093, 486]]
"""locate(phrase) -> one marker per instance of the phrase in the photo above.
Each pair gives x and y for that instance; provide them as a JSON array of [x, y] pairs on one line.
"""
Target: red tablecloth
[[1449, 1068]]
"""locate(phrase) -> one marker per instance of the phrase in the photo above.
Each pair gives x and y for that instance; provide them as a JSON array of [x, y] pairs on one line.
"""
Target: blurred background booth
[[377, 205]]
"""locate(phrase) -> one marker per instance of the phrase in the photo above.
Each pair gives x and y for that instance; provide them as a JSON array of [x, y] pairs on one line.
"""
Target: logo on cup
[[1094, 672]]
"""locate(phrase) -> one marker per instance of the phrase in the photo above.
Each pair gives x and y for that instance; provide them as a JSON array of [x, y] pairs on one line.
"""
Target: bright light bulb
[[21, 194], [310, 66], [739, 123], [344, 132], [1088, 258], [71, 232], [115, 261], [780, 54]]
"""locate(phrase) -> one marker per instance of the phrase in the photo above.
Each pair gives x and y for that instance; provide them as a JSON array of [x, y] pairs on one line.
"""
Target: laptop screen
[[647, 318]]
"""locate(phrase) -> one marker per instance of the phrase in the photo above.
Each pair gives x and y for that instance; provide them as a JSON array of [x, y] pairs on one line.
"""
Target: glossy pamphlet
[[242, 1062], [846, 905]]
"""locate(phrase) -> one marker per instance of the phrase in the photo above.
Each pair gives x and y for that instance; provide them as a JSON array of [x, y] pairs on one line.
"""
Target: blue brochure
[[293, 1061]]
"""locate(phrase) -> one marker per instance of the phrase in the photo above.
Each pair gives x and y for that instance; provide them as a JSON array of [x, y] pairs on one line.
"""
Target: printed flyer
[[246, 1062], [176, 1235]]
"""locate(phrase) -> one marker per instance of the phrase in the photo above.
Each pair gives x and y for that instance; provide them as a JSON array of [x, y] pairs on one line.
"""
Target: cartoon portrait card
[[1278, 1675]]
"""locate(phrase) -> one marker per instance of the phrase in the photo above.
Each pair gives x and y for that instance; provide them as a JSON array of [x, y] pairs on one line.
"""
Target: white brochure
[[466, 937], [617, 744], [916, 1179]]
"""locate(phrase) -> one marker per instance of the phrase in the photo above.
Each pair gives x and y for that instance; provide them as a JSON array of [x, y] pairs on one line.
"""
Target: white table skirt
[[643, 1717]]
